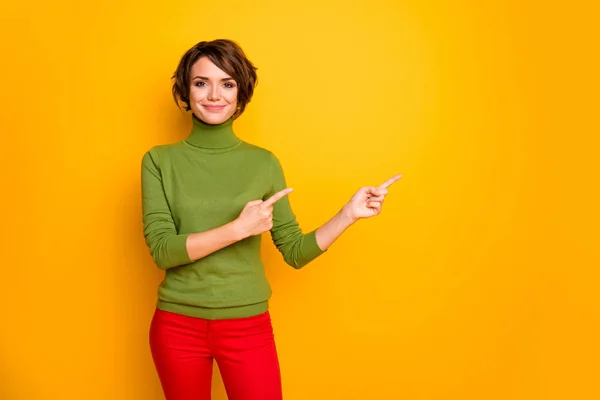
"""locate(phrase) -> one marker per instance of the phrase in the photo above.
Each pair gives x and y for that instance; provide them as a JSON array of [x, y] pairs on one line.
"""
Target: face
[[213, 93]]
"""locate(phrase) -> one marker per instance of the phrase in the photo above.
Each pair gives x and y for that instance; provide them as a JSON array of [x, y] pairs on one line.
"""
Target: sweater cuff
[[310, 248], [178, 250]]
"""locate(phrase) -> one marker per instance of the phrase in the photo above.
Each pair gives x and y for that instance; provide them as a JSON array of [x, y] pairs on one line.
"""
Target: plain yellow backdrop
[[478, 281]]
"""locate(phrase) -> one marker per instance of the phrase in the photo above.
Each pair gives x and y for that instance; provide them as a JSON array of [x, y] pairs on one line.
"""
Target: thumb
[[370, 190], [253, 203], [380, 191]]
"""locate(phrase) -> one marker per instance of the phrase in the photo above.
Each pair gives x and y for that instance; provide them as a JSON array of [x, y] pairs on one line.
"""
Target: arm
[[365, 203], [168, 248], [333, 229], [297, 248], [201, 244]]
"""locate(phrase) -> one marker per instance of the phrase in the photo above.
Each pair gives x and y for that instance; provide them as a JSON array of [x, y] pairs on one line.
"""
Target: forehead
[[207, 68]]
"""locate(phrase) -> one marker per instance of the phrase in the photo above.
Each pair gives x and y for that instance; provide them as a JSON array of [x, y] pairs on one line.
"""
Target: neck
[[212, 136]]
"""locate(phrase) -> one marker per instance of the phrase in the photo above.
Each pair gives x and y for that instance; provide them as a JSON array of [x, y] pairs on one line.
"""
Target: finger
[[277, 196], [376, 198], [389, 182], [380, 192], [374, 204], [371, 191], [377, 194]]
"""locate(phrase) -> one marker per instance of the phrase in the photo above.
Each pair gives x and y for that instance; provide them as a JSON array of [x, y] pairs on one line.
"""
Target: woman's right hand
[[257, 215]]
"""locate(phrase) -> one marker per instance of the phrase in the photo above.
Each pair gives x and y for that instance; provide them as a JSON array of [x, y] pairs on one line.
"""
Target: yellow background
[[478, 281]]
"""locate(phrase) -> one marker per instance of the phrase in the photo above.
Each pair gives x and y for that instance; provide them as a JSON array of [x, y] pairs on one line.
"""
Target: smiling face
[[213, 93]]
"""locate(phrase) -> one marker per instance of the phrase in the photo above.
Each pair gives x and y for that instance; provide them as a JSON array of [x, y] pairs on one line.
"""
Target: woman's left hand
[[368, 200]]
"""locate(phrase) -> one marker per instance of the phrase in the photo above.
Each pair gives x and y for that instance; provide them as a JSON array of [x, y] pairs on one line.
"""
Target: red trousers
[[183, 349]]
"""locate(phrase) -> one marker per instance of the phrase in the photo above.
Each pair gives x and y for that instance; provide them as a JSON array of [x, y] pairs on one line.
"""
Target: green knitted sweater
[[201, 183]]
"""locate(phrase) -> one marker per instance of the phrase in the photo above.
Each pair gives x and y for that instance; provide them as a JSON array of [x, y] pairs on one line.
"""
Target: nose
[[213, 94]]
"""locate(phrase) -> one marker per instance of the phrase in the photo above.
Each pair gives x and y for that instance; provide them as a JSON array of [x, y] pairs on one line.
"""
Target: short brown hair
[[228, 56]]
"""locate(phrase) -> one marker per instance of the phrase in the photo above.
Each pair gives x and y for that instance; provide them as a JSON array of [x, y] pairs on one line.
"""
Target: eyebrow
[[206, 79]]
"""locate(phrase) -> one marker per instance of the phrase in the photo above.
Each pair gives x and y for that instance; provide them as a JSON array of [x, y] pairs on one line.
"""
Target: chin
[[214, 118]]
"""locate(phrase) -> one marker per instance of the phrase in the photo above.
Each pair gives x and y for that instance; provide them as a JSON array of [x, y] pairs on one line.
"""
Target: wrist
[[237, 231], [346, 216]]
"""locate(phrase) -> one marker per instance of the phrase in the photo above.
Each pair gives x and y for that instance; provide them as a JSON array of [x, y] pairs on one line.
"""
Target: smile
[[214, 108]]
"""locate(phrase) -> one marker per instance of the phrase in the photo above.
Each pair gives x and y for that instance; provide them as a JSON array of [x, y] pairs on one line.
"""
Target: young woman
[[206, 201]]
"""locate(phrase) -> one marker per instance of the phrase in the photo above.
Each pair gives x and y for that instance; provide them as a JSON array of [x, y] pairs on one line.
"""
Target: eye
[[199, 83], [229, 85]]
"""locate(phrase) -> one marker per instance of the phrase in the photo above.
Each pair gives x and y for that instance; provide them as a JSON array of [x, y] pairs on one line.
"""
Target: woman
[[206, 201]]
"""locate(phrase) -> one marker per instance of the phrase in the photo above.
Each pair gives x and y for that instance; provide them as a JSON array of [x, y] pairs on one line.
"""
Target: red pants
[[183, 349]]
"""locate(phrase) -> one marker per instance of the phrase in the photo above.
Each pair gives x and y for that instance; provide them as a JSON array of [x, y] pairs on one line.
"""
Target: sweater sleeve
[[168, 249], [297, 248]]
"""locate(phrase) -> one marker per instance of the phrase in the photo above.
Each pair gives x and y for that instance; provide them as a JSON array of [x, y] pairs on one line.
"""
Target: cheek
[[231, 97], [196, 94]]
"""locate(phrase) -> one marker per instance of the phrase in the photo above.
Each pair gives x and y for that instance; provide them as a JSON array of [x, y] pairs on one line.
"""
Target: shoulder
[[161, 151], [260, 153]]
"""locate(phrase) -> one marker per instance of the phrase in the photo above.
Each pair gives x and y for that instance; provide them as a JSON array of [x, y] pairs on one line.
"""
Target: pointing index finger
[[277, 196], [389, 182]]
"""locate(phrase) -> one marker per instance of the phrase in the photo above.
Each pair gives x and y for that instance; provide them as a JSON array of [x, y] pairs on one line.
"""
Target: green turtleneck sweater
[[199, 184]]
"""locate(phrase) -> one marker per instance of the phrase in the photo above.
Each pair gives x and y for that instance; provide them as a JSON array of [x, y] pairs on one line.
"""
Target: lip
[[213, 108]]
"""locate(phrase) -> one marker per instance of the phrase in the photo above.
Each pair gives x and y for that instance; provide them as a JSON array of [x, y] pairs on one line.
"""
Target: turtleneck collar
[[209, 136]]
